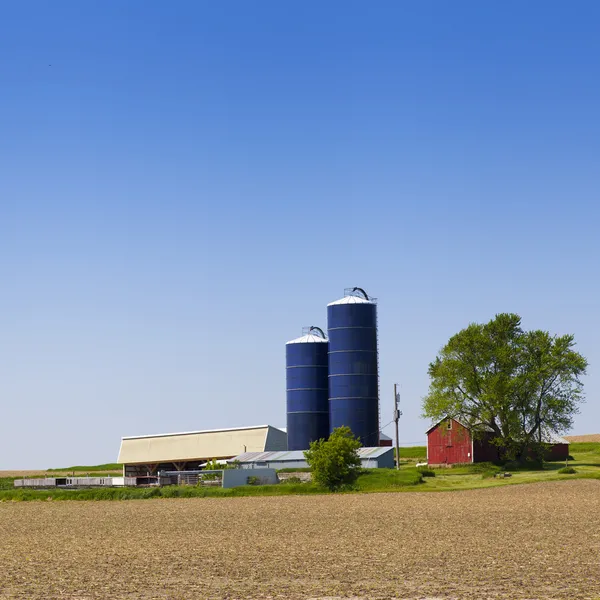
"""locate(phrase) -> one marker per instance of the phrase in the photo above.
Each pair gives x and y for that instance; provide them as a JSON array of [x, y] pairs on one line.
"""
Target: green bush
[[335, 463], [567, 471], [426, 471]]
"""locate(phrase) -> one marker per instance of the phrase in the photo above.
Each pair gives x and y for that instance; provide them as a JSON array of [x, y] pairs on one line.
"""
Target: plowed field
[[590, 437], [527, 541]]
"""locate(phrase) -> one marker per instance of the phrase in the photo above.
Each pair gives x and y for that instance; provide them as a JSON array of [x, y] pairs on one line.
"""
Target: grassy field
[[520, 542], [586, 462], [106, 468], [413, 453], [372, 480]]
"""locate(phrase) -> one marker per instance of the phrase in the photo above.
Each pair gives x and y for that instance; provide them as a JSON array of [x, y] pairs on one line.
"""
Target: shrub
[[335, 463], [426, 471], [253, 480], [292, 480], [512, 465], [567, 471]]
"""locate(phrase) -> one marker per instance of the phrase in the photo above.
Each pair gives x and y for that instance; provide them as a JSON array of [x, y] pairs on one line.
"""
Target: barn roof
[[203, 445], [552, 438], [478, 426], [295, 455]]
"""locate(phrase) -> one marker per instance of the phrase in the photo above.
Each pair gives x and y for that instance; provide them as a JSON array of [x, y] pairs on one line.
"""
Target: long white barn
[[148, 454]]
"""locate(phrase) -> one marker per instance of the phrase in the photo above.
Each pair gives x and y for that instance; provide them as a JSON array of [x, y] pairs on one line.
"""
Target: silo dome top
[[312, 335], [307, 339], [351, 300], [354, 295]]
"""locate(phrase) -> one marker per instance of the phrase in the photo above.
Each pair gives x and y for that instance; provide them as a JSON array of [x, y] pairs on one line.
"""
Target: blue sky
[[184, 186]]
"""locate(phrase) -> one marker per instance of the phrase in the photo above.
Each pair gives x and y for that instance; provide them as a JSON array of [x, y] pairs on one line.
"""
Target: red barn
[[449, 442]]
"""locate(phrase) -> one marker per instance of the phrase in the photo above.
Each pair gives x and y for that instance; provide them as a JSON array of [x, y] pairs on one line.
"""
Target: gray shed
[[370, 458]]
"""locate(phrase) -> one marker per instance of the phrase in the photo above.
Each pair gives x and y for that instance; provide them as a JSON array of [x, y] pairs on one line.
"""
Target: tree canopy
[[524, 385], [334, 462]]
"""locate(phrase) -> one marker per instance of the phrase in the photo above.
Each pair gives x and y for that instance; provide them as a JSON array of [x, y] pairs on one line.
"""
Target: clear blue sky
[[184, 186]]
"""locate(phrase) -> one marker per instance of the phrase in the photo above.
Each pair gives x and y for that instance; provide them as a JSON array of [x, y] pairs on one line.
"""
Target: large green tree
[[334, 462], [524, 385]]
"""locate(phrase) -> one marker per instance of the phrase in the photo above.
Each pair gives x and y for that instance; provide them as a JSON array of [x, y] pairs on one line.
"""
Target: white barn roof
[[200, 445]]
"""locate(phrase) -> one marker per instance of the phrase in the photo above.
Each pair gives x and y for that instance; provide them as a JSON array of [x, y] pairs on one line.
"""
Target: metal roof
[[153, 435], [308, 339], [200, 445], [351, 300], [478, 426], [298, 455], [553, 438]]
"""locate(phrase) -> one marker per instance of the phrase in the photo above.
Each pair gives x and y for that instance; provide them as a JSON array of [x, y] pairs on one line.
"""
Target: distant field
[[590, 437], [107, 469], [519, 542], [413, 452]]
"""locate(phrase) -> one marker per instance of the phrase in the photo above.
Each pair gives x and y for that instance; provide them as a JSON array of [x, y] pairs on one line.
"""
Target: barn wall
[[449, 446], [558, 452], [484, 450]]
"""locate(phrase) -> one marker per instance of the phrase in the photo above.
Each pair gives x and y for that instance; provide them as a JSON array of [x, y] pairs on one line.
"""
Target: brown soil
[[590, 437], [528, 541]]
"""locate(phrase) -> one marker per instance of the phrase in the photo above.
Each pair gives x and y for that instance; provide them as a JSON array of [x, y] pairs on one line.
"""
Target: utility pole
[[397, 415]]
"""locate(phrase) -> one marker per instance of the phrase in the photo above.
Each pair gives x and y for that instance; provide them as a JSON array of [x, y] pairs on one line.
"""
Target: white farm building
[[147, 454]]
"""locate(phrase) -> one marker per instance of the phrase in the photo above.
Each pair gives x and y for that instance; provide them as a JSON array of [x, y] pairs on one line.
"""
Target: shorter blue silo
[[307, 389]]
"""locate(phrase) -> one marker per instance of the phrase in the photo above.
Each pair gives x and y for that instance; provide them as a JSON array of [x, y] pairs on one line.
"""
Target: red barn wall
[[449, 446], [558, 452]]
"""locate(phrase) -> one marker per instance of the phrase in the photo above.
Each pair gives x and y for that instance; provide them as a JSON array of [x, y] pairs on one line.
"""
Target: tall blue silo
[[307, 390], [353, 365]]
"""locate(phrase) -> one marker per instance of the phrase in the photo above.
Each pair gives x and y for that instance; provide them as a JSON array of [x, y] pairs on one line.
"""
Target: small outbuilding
[[451, 442], [370, 458], [385, 440]]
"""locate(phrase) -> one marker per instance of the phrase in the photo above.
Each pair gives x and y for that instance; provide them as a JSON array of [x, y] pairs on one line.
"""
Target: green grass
[[387, 480], [6, 483], [586, 460], [585, 448], [370, 480], [413, 452], [90, 468]]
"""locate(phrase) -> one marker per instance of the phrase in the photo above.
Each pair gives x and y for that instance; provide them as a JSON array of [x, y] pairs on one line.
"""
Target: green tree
[[523, 385], [334, 462]]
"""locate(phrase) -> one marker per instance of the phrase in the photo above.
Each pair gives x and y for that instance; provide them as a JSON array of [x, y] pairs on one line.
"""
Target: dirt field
[[590, 437], [528, 541]]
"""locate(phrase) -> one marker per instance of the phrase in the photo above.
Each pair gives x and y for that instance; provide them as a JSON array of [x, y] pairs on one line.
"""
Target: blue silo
[[307, 390], [353, 365]]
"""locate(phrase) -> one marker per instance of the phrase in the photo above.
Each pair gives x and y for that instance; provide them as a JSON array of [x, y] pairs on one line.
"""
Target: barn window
[[449, 425]]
